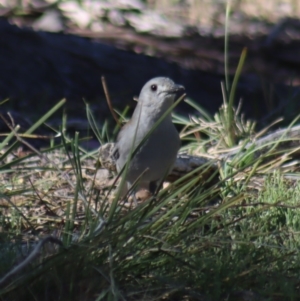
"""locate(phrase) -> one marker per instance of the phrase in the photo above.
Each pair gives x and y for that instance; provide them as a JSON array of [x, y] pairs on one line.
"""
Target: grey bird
[[156, 156]]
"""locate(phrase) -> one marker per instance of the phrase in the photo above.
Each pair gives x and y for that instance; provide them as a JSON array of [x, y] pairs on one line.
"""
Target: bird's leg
[[134, 198], [153, 187], [132, 194]]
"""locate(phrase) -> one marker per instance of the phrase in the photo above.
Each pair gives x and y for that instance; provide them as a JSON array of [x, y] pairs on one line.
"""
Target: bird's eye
[[154, 87]]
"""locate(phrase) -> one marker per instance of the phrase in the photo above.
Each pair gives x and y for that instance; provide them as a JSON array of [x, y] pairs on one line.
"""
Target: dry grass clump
[[230, 234]]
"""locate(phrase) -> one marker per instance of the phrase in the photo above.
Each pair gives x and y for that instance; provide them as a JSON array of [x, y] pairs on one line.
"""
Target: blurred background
[[52, 49]]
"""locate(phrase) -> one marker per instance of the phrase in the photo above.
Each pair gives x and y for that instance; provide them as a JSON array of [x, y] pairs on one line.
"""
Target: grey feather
[[157, 155]]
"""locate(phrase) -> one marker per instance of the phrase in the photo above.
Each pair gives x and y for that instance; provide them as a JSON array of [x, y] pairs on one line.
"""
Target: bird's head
[[159, 93]]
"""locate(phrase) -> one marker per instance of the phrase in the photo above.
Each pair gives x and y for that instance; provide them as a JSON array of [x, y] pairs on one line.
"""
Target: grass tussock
[[232, 235]]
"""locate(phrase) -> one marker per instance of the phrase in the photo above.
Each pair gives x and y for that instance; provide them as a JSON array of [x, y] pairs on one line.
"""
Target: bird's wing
[[115, 154]]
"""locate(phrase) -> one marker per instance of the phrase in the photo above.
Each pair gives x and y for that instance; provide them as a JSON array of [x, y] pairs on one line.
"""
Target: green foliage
[[189, 242], [206, 236]]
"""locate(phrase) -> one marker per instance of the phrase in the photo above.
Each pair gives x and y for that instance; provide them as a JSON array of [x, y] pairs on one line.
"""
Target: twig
[[109, 102], [64, 175]]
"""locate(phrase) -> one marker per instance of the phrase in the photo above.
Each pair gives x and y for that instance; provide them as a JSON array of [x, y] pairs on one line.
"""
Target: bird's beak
[[176, 89]]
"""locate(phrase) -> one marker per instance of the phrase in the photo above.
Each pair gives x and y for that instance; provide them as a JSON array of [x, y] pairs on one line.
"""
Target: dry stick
[[29, 258], [28, 136], [11, 120], [64, 175], [289, 138], [109, 102]]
